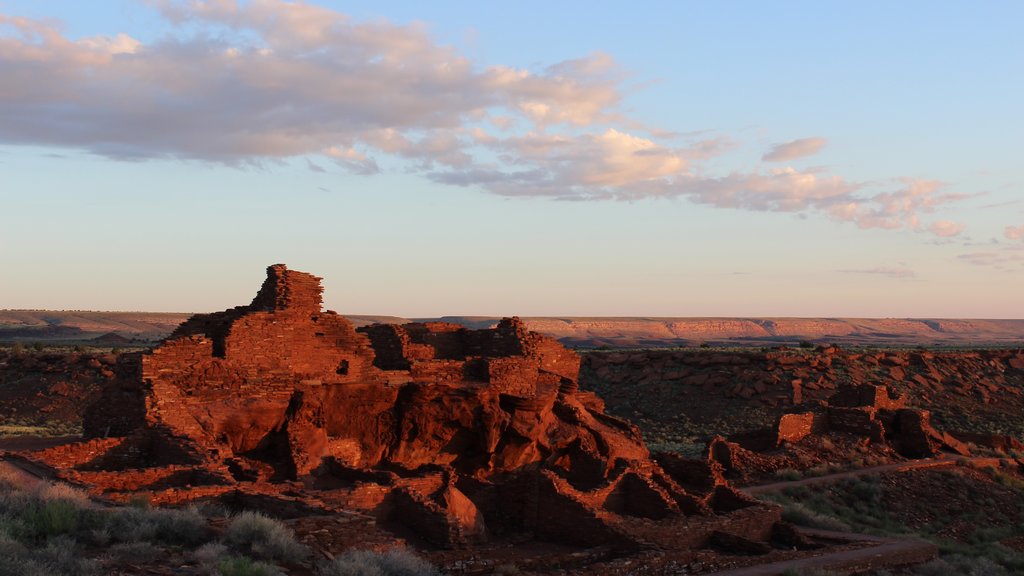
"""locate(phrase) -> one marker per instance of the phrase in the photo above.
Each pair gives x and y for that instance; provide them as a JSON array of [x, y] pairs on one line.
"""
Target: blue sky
[[655, 159]]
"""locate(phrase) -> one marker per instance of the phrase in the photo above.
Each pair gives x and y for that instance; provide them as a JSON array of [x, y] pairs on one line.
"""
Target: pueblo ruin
[[453, 436]]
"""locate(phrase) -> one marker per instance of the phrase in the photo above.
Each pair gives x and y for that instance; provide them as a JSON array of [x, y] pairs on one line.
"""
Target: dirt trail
[[895, 467], [884, 552], [24, 443]]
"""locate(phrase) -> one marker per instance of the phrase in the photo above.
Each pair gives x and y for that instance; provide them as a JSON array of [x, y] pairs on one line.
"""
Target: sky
[[809, 159]]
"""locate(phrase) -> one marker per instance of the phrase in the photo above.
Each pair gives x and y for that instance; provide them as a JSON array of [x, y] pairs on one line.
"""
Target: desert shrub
[[59, 491], [9, 546], [801, 515], [252, 532], [788, 474], [394, 562], [819, 470], [185, 527], [957, 564], [9, 479], [213, 509], [863, 492], [134, 552], [1009, 480], [46, 511], [209, 554], [42, 519], [59, 556], [96, 536], [242, 566], [687, 449]]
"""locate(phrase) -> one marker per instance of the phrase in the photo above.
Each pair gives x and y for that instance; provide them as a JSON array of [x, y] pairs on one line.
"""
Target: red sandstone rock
[[796, 427], [443, 429]]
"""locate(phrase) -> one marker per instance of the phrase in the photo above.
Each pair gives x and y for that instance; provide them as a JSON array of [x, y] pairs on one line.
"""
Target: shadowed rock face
[[281, 390]]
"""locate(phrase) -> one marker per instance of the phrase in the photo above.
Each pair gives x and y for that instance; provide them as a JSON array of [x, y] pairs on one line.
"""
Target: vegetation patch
[[967, 513], [394, 562]]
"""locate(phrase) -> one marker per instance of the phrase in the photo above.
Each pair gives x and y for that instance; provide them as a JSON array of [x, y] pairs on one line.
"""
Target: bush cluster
[[45, 530]]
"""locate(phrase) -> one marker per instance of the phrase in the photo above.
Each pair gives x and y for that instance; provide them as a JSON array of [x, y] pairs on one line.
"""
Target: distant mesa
[[580, 332]]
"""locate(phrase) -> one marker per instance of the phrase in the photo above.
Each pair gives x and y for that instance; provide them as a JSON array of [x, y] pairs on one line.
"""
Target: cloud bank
[[271, 80]]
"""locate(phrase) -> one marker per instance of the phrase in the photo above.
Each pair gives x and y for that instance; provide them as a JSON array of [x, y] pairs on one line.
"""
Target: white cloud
[[270, 79], [239, 83], [795, 149], [1014, 232]]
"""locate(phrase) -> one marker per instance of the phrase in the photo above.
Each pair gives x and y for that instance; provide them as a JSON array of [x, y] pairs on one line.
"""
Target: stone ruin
[[874, 412], [457, 435]]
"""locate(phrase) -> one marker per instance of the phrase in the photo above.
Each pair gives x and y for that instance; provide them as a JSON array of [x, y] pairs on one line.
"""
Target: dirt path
[[895, 467], [885, 552], [20, 443]]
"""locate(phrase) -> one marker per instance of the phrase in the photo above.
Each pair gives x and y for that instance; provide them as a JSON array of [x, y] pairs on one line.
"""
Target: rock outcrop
[[454, 433]]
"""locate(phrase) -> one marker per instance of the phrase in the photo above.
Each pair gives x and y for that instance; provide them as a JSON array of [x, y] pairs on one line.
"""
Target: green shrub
[[242, 566], [44, 520], [140, 501], [254, 533], [801, 515], [394, 562]]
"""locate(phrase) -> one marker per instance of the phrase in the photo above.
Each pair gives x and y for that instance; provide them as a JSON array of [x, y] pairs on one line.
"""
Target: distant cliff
[[624, 332]]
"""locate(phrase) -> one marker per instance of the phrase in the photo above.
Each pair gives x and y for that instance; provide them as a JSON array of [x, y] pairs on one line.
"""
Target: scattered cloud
[[946, 228], [261, 81], [1004, 258], [795, 149], [900, 273], [1014, 232]]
